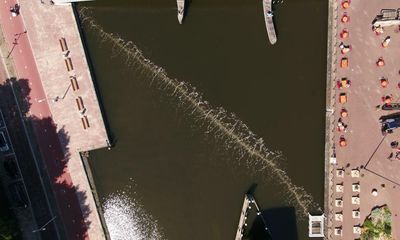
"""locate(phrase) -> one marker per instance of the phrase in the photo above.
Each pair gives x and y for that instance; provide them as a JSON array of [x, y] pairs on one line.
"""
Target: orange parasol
[[345, 4], [344, 33], [342, 142], [384, 82], [345, 18], [344, 113], [380, 62]]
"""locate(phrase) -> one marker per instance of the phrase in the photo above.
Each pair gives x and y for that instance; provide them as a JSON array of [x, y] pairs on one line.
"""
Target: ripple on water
[[127, 220]]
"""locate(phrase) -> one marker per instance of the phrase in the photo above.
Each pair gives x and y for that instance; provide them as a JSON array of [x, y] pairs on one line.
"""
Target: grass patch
[[378, 225]]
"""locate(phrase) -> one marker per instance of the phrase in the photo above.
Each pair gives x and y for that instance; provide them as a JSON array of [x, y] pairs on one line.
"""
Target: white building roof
[[316, 226]]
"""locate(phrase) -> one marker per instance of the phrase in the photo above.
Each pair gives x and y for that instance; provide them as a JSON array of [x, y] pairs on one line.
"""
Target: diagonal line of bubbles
[[221, 124]]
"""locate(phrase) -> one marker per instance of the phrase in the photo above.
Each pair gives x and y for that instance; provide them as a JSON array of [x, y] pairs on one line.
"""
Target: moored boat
[[181, 10], [269, 22]]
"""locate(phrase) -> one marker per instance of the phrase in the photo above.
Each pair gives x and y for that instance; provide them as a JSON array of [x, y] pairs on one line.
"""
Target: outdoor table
[[356, 187], [338, 202], [339, 217], [342, 98], [355, 173], [356, 214], [355, 200], [338, 231], [344, 62]]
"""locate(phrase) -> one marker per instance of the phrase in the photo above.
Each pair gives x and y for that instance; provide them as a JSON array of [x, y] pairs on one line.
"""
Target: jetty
[[248, 199], [269, 21], [181, 10]]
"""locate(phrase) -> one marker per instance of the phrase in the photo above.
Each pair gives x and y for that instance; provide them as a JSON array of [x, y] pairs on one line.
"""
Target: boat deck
[[269, 22]]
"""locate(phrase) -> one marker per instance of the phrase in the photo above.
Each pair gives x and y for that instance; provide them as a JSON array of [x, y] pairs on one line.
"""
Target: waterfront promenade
[[46, 50], [361, 167]]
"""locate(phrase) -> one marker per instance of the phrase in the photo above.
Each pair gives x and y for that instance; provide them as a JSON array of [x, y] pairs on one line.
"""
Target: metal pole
[[15, 43], [43, 228]]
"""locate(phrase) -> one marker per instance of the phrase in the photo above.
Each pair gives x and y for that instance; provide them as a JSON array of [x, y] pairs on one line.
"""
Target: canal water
[[173, 174]]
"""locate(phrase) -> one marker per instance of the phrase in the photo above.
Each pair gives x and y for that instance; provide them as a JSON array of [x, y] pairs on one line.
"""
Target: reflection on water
[[127, 220]]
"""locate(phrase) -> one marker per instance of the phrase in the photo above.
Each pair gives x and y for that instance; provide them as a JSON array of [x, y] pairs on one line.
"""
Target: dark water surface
[[192, 185]]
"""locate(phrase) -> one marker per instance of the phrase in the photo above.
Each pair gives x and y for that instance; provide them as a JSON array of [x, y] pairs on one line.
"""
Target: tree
[[8, 229]]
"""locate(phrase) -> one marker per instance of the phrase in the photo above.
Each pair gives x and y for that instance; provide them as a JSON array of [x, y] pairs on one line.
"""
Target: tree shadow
[[42, 153], [281, 223]]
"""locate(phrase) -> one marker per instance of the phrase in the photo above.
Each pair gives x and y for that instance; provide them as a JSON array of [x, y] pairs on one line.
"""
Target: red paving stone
[[366, 144], [33, 57]]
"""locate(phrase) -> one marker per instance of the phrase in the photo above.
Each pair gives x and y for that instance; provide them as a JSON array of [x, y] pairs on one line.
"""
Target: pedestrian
[[398, 155], [13, 13], [16, 8]]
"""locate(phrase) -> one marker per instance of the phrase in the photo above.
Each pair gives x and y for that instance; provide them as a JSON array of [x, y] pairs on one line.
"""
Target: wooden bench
[[85, 122], [74, 83], [63, 44], [68, 63], [79, 103]]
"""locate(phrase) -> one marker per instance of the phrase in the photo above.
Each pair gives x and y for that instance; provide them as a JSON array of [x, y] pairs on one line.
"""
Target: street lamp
[[55, 99], [43, 228], [15, 43]]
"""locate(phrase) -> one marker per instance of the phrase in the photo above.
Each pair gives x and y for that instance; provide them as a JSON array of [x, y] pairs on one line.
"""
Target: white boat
[[181, 10], [269, 22]]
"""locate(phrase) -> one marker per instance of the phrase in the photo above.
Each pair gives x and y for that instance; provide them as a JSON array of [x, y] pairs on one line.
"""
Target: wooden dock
[[181, 10], [248, 199], [243, 216], [269, 22]]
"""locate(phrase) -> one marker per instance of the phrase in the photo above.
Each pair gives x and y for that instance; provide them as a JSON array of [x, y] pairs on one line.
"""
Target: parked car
[[389, 124], [3, 143]]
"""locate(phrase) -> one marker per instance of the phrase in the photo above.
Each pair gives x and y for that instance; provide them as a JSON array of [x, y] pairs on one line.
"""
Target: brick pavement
[[62, 136], [366, 146]]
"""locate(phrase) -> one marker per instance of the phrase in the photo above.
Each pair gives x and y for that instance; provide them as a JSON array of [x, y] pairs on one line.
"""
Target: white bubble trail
[[226, 127]]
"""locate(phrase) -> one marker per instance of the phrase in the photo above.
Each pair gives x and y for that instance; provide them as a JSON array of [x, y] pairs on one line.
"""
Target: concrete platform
[[367, 149], [46, 24]]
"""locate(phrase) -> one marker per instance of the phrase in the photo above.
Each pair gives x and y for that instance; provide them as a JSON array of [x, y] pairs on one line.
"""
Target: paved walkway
[[62, 130], [367, 149]]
